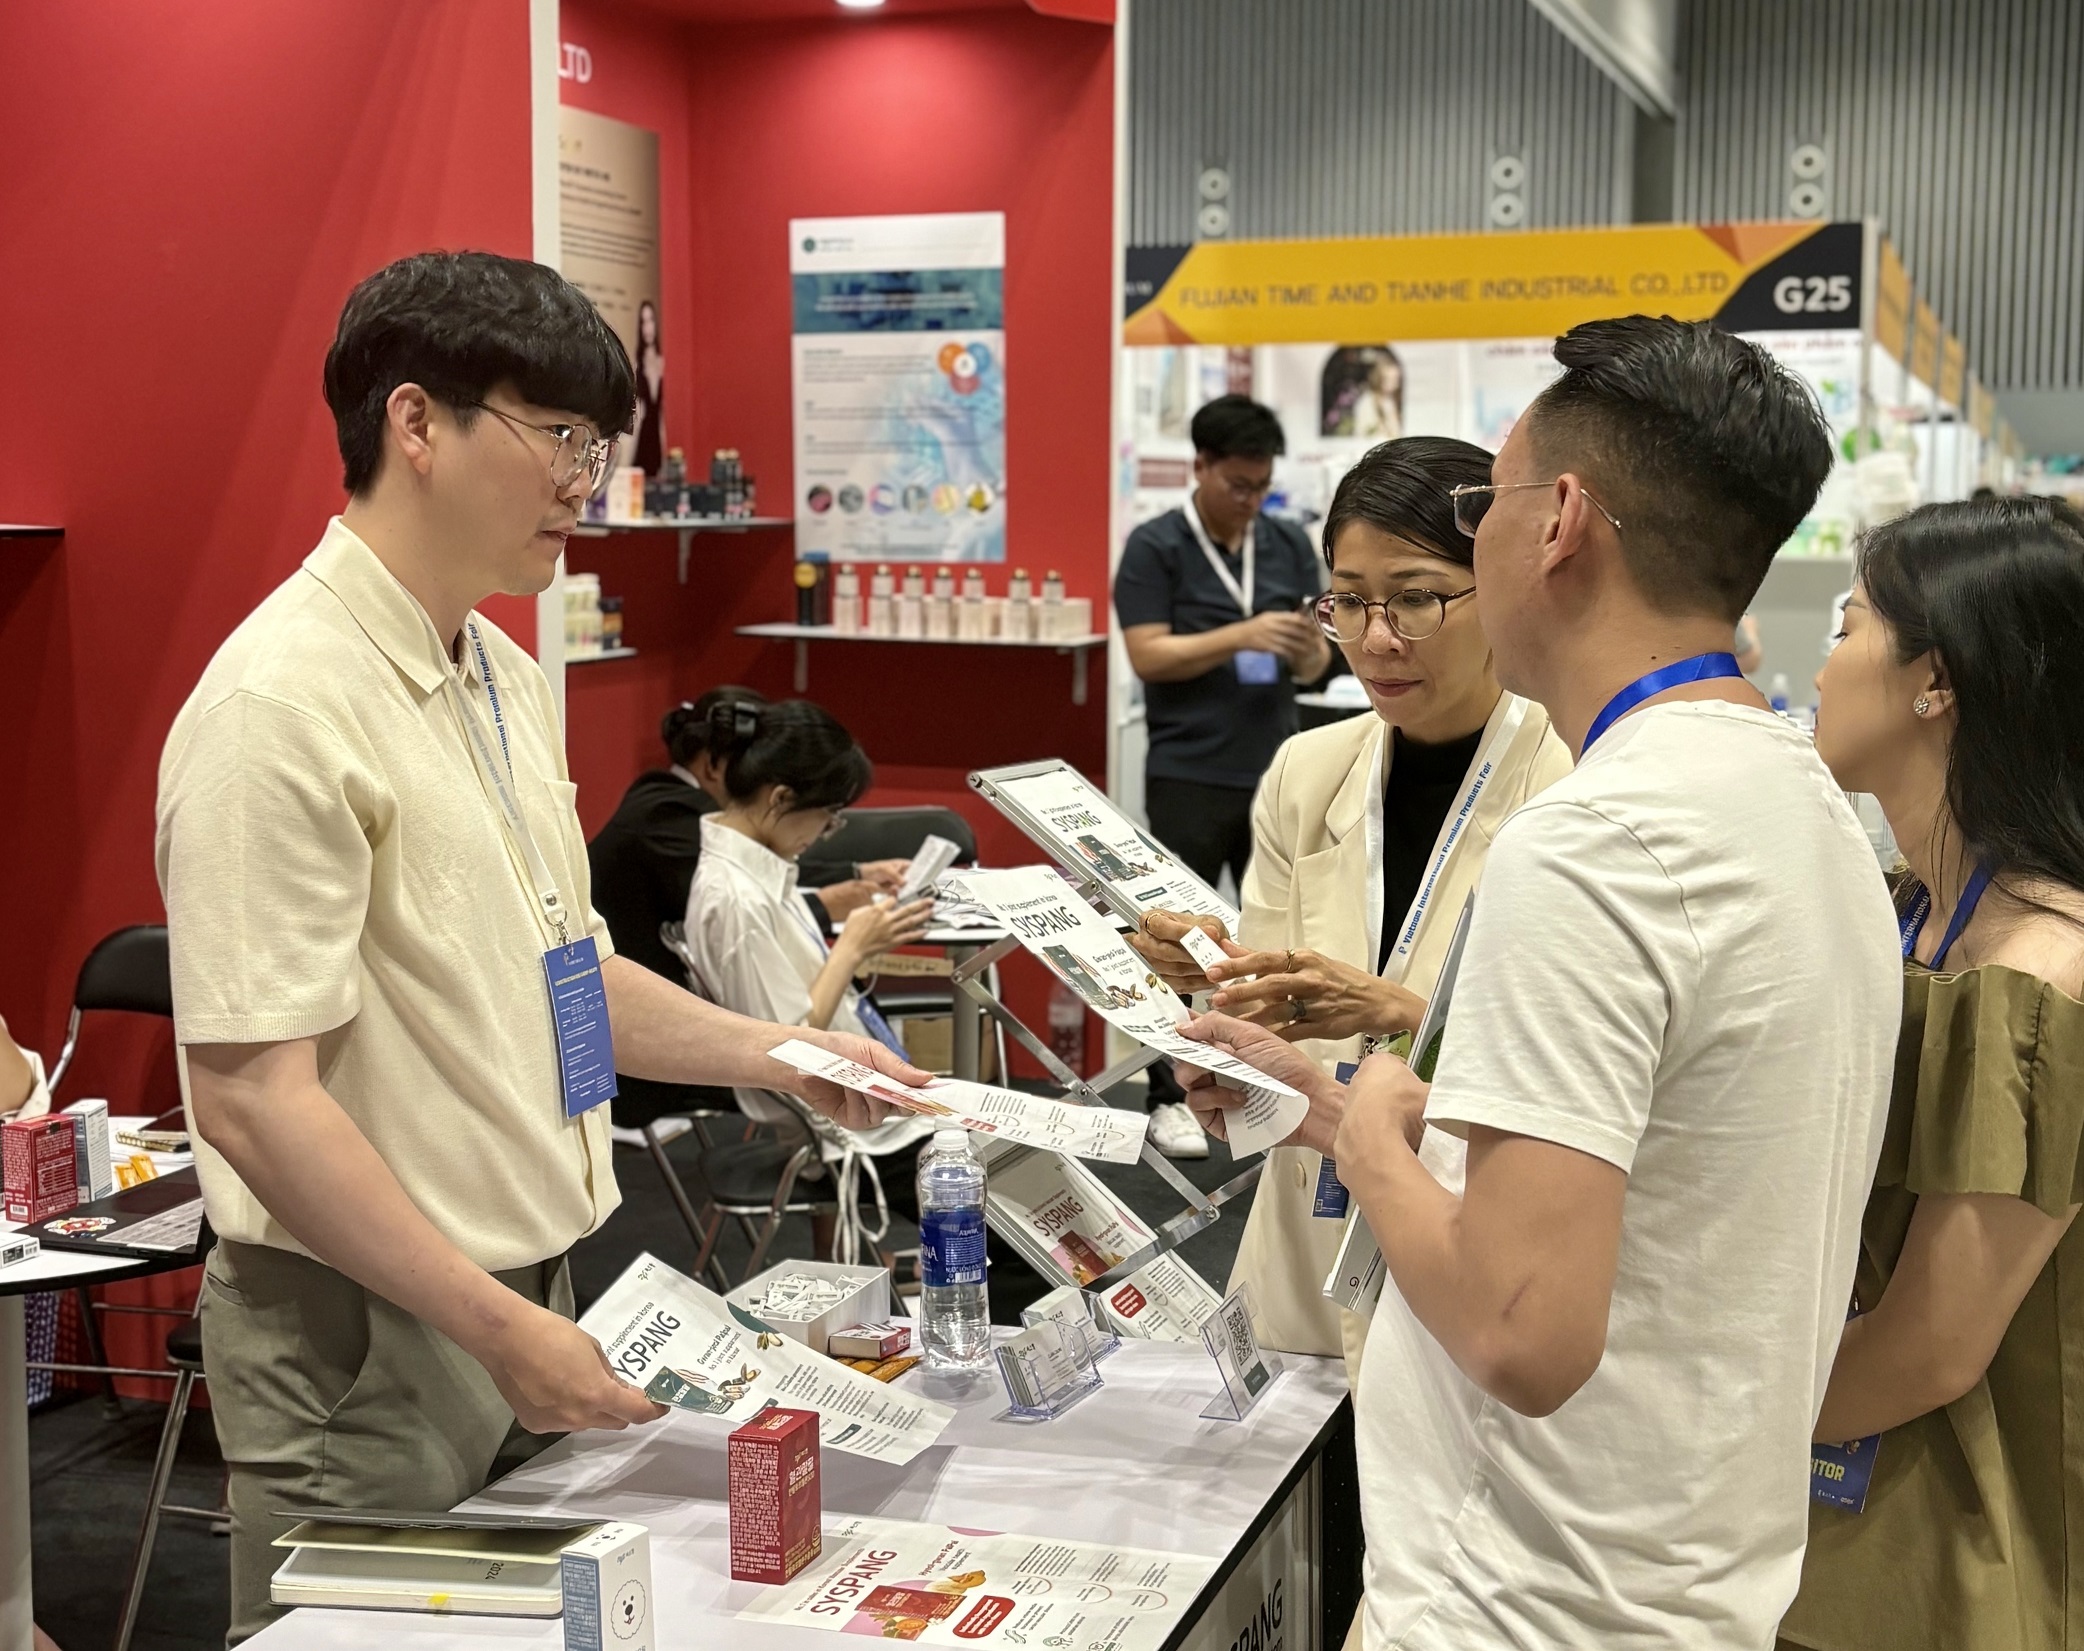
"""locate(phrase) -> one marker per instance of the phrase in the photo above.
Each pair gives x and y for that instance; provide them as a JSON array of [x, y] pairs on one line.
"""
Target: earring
[[1922, 705]]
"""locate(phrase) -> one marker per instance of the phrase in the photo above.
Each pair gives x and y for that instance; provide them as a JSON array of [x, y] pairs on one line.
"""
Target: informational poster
[[688, 1347], [898, 369], [607, 173], [892, 1579]]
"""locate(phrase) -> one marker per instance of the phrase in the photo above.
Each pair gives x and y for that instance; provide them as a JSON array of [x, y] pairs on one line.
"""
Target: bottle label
[[951, 1247]]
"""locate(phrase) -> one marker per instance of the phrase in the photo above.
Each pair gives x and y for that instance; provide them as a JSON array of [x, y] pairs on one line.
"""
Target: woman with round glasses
[[1368, 835], [1955, 696]]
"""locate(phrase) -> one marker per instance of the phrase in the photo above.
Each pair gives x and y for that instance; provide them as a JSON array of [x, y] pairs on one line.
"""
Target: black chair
[[128, 972], [895, 834]]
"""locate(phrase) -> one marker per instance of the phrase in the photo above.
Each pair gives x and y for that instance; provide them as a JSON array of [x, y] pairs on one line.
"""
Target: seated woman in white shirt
[[789, 772], [22, 1088]]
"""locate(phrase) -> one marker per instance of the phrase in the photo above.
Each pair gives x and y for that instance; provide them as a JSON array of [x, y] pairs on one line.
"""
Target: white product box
[[16, 1249], [607, 1591], [867, 1302], [93, 1173]]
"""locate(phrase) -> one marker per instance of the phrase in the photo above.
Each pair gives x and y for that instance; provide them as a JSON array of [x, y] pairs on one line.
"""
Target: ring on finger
[[1297, 1010], [1288, 963]]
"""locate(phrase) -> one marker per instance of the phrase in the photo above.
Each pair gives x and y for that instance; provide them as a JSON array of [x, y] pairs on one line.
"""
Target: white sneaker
[[1175, 1132]]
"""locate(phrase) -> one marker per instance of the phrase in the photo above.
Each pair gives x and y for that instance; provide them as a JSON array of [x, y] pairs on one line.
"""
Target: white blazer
[[1315, 882]]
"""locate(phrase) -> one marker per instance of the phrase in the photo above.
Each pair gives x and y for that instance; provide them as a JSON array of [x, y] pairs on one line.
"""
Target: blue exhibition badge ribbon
[[1679, 674], [1913, 921]]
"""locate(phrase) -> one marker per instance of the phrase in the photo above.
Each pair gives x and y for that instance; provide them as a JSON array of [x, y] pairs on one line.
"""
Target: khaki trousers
[[328, 1397]]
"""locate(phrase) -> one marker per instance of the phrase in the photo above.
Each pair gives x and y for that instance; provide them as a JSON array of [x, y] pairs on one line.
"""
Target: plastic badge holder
[[1047, 1369], [1072, 1307], [1247, 1369]]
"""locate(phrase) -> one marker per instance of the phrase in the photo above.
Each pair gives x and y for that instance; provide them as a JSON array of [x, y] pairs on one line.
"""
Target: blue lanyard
[[1921, 907], [1700, 668]]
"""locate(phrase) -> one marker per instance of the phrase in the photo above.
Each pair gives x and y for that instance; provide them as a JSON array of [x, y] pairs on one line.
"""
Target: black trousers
[[1207, 826], [1210, 828]]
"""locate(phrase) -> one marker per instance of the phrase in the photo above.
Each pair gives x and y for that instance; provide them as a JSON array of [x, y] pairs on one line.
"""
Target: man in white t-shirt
[[1585, 1407]]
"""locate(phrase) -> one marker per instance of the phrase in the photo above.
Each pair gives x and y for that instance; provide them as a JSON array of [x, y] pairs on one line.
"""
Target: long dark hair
[[1994, 588], [685, 728], [1401, 487], [792, 743]]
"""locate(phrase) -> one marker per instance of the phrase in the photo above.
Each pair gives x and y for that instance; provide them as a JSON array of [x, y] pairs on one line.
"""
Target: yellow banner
[[1892, 305], [1953, 370], [1521, 284], [1924, 345]]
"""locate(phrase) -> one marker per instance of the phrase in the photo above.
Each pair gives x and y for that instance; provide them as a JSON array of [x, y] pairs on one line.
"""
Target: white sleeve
[[1580, 958], [38, 1101], [740, 959]]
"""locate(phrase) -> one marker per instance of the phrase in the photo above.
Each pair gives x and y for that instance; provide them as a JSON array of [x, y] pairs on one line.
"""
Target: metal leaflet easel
[[1203, 1208]]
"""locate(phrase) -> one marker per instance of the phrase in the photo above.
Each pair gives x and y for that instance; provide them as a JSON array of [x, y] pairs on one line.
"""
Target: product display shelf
[[600, 658], [30, 531], [686, 527], [1080, 648]]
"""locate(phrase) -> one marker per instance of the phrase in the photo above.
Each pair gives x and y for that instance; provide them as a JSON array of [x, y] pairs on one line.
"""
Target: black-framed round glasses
[[1412, 614], [1471, 503], [579, 451]]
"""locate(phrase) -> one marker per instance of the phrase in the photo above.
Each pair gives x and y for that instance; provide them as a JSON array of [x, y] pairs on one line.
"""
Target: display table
[[1134, 1464], [51, 1270]]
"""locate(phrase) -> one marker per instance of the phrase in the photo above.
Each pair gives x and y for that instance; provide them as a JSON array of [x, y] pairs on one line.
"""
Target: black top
[[1213, 728], [1425, 781], [643, 863]]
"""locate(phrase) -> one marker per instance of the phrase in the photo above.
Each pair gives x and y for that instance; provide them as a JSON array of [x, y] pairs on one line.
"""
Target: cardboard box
[[868, 1341], [777, 1524], [92, 1173], [36, 1169], [607, 1591], [16, 1249]]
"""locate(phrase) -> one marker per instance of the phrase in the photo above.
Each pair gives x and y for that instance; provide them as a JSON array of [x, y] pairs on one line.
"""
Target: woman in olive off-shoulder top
[[1956, 697]]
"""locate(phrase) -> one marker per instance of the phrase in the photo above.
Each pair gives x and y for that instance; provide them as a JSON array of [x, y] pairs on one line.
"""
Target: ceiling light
[[861, 5]]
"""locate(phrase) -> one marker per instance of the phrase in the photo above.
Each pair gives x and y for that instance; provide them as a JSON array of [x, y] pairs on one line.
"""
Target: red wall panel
[[190, 192]]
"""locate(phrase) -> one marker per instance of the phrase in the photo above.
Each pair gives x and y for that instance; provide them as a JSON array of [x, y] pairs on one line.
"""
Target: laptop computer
[[148, 1222]]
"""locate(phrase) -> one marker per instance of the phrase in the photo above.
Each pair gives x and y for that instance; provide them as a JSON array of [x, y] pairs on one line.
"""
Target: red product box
[[777, 1526], [36, 1168]]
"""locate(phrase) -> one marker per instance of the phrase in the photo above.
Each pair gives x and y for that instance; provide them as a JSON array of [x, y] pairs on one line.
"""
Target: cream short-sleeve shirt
[[334, 867]]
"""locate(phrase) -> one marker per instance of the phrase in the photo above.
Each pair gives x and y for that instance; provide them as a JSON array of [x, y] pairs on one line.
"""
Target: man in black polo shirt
[[1209, 597]]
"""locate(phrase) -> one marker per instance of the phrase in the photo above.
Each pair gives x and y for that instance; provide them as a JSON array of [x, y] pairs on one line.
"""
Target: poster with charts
[[898, 376]]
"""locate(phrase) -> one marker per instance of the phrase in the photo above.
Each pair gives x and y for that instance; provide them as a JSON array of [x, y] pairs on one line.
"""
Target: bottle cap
[[951, 1140]]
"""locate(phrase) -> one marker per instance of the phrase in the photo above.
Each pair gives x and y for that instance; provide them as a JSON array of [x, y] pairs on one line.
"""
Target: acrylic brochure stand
[[1047, 1369], [971, 977]]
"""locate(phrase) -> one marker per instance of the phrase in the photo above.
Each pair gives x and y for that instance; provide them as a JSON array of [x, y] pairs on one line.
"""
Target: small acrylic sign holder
[[1247, 1369], [1046, 1369]]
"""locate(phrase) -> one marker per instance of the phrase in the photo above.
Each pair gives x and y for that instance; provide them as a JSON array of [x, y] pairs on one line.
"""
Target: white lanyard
[[498, 774], [1240, 594], [1482, 770]]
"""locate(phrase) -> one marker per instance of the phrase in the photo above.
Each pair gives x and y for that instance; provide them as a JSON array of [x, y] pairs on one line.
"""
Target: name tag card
[[1247, 1369], [1256, 668], [1332, 1199], [1047, 1369], [1201, 946], [579, 1005], [1838, 1474]]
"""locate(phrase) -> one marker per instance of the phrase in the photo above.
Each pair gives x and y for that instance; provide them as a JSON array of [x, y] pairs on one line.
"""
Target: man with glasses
[[397, 1010], [1586, 1399], [1210, 600]]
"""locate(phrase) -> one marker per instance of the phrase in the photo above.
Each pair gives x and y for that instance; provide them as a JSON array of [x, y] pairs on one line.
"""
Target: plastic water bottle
[[954, 1305], [1779, 693]]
